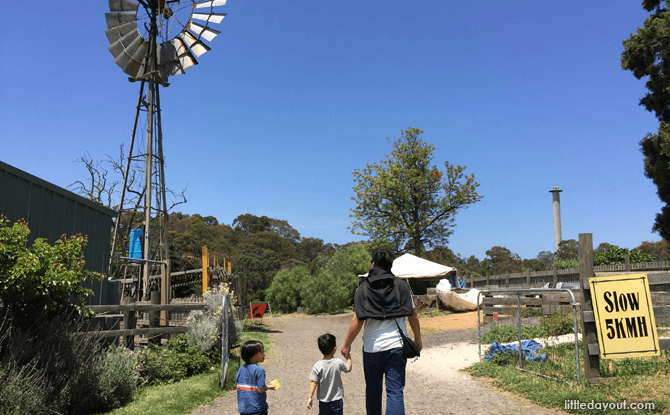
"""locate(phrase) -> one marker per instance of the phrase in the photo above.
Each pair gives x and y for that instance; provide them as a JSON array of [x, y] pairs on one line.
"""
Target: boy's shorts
[[331, 408]]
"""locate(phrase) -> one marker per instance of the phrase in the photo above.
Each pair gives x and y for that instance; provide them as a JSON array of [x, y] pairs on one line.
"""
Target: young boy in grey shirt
[[326, 378]]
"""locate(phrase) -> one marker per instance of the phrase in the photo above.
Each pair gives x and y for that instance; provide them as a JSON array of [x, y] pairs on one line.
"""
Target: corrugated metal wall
[[52, 211]]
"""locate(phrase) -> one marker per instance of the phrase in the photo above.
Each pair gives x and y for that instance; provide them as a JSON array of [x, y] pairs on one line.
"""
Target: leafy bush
[[329, 289], [173, 362], [40, 277], [567, 263], [558, 323], [616, 256], [285, 292]]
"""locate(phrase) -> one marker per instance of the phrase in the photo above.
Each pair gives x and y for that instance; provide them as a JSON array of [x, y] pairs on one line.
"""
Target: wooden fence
[[660, 281], [144, 318]]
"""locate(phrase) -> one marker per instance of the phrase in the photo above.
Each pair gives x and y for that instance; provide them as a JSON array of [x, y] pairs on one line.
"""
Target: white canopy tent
[[420, 272], [410, 266]]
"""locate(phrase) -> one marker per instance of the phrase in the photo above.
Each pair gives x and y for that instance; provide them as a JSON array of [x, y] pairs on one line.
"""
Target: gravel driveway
[[433, 386]]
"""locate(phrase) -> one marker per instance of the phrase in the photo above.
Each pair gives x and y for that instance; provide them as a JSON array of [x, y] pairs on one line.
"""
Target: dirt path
[[434, 385]]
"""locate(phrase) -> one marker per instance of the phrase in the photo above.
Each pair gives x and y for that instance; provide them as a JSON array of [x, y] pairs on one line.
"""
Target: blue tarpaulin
[[529, 348]]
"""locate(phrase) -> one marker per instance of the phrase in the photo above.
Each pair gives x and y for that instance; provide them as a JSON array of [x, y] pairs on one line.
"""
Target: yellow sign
[[624, 316]]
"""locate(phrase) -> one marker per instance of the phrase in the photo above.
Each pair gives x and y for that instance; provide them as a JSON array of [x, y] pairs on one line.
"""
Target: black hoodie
[[382, 296]]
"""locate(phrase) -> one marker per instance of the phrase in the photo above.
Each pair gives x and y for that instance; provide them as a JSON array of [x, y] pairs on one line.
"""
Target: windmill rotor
[[181, 28]]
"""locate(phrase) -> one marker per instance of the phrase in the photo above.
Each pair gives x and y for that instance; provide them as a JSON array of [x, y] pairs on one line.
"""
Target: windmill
[[151, 40]]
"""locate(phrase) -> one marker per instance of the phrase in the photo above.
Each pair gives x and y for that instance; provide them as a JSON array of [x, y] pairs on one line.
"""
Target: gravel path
[[434, 385]]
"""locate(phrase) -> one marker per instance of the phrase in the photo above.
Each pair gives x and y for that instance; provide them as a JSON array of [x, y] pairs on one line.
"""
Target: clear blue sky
[[295, 95]]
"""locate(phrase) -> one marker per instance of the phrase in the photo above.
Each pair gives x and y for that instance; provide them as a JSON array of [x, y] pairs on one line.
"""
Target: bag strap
[[399, 329]]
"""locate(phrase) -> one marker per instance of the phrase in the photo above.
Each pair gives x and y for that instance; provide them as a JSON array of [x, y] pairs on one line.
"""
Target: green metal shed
[[51, 211]]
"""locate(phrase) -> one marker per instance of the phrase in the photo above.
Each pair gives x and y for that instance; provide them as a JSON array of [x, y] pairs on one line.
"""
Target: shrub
[[40, 277], [558, 323], [174, 361], [57, 366], [567, 263], [21, 390], [118, 379], [204, 327]]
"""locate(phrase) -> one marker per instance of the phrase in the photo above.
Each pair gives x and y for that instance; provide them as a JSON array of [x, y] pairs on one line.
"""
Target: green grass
[[632, 380], [185, 396]]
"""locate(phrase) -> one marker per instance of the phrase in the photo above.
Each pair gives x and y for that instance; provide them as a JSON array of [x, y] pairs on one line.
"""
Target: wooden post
[[154, 320], [555, 274], [528, 278], [229, 271], [626, 261], [165, 291], [487, 280], [589, 333], [205, 265], [129, 323]]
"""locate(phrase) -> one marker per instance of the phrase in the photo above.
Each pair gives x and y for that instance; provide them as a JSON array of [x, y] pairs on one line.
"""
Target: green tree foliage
[[41, 277], [285, 292], [257, 247], [547, 258], [501, 260], [568, 249], [646, 55], [615, 256], [329, 289], [405, 198], [659, 250]]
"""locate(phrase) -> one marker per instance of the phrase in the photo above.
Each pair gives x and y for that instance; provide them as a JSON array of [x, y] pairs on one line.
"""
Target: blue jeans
[[331, 408], [390, 364]]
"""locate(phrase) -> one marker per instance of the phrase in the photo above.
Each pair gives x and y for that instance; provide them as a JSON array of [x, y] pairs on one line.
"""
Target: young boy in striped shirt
[[250, 380]]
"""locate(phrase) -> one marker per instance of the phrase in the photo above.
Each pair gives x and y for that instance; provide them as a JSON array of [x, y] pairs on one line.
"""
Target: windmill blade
[[212, 17], [196, 46], [131, 60], [186, 58], [168, 60], [123, 5], [117, 32], [202, 31], [129, 52], [117, 19], [213, 3], [174, 57]]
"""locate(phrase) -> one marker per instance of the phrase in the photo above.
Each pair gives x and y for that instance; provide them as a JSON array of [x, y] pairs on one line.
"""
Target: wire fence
[[536, 330]]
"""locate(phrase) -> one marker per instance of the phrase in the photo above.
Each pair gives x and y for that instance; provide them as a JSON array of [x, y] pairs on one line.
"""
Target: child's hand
[[309, 403]]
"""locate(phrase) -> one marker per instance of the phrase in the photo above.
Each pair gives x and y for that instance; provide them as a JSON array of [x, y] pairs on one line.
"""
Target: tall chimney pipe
[[556, 195]]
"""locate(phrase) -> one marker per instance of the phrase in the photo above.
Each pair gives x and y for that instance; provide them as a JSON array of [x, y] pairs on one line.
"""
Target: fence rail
[[660, 281], [157, 326]]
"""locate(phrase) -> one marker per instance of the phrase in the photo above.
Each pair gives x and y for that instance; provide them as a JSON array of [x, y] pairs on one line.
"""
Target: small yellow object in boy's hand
[[275, 383]]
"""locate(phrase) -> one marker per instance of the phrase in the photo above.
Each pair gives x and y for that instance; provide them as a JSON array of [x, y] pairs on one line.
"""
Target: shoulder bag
[[409, 348]]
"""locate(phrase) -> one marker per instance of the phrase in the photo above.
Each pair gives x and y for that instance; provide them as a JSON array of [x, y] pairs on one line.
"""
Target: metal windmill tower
[[151, 40]]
